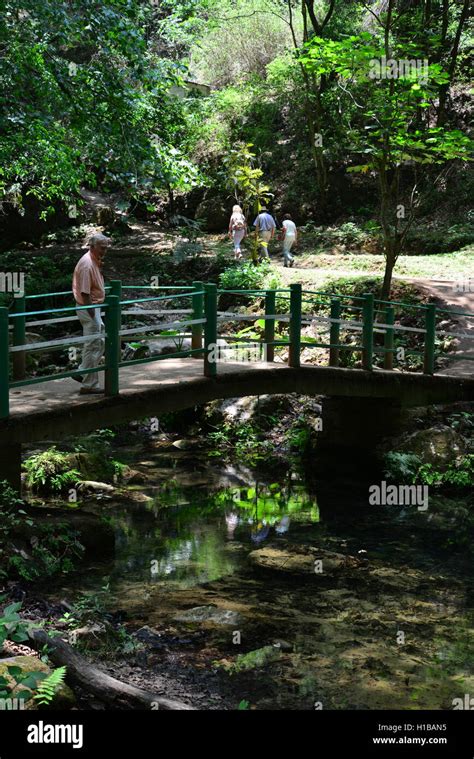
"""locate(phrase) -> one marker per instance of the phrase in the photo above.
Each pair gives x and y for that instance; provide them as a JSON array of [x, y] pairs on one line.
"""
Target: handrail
[[160, 297], [51, 295], [156, 287], [329, 317], [57, 310]]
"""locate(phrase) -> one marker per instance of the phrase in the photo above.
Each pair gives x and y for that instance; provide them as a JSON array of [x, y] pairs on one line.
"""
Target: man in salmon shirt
[[88, 289]]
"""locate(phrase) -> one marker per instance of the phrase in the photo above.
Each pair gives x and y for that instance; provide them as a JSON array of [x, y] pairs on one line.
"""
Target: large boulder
[[438, 446]]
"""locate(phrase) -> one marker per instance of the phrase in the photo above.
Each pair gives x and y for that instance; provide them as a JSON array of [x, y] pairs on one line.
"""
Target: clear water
[[392, 628]]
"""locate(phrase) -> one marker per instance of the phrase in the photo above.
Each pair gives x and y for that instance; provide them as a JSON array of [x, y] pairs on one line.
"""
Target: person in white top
[[237, 229], [289, 235]]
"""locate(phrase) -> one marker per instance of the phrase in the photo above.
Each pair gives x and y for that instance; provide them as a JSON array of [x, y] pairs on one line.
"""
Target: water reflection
[[184, 535]]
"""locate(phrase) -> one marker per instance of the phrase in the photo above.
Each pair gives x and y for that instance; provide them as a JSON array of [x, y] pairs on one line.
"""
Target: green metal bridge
[[363, 316], [377, 335]]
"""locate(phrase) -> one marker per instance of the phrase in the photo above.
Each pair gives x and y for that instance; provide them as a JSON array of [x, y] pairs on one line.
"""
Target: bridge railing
[[15, 322], [378, 324], [373, 328], [462, 333]]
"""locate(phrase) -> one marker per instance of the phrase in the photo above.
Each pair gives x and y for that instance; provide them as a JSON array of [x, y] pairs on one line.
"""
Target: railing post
[[334, 332], [389, 338], [270, 307], [116, 289], [210, 330], [430, 326], [295, 326], [4, 365], [198, 311], [112, 345], [19, 338], [368, 332]]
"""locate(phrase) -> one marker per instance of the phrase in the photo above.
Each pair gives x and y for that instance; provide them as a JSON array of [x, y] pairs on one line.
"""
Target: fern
[[48, 687]]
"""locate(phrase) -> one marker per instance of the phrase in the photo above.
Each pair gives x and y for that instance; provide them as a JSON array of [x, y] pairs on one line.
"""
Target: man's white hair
[[98, 239]]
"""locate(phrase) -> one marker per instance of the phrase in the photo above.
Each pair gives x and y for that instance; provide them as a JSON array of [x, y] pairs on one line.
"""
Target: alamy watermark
[[463, 285], [46, 733], [247, 353], [399, 495], [12, 704], [399, 68], [464, 703], [12, 282]]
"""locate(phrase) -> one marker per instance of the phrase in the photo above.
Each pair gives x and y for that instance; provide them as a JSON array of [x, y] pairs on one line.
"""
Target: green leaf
[[14, 671]]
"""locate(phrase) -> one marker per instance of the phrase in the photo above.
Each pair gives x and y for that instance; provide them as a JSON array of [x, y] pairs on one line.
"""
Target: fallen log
[[92, 680]]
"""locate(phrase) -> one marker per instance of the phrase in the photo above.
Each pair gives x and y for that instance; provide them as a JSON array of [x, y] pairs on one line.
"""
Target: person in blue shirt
[[265, 227]]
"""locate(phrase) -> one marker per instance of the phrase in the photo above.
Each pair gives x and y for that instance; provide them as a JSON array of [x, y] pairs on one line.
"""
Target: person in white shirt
[[237, 229], [289, 236]]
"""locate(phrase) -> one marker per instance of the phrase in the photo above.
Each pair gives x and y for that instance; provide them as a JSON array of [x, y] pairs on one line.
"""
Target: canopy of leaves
[[85, 96]]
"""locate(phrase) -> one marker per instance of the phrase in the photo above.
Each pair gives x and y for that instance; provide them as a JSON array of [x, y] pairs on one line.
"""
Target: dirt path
[[461, 302], [447, 293]]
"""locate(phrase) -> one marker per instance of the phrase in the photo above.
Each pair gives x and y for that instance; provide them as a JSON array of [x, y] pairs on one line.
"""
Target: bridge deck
[[55, 409], [64, 393]]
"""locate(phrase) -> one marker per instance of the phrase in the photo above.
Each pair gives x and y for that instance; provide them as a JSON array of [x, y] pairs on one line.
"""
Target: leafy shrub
[[50, 472], [11, 625], [458, 475], [401, 467], [427, 241], [243, 441], [406, 467], [33, 550], [248, 276]]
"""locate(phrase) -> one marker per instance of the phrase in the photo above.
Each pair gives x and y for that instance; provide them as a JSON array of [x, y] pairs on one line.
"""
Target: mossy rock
[[254, 659], [92, 467], [295, 560], [64, 697]]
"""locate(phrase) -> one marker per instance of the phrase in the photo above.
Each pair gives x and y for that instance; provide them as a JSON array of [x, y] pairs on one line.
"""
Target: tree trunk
[[92, 680], [444, 88], [390, 261]]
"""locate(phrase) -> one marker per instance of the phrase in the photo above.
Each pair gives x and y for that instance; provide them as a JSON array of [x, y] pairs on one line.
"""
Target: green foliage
[[257, 659], [49, 685], [243, 705], [407, 467], [300, 437], [238, 38], [248, 276], [100, 462], [459, 475], [12, 626], [91, 605], [33, 550], [401, 467], [244, 441], [390, 130], [88, 97], [244, 179], [50, 472], [25, 681]]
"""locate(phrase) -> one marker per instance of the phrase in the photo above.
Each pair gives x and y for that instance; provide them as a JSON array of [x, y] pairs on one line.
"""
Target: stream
[[216, 574]]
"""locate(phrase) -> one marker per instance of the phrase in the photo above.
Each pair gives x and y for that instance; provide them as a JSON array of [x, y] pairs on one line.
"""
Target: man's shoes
[[78, 378], [91, 391]]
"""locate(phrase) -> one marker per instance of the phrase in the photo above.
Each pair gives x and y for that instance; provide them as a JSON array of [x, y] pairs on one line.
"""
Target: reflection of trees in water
[[185, 532]]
